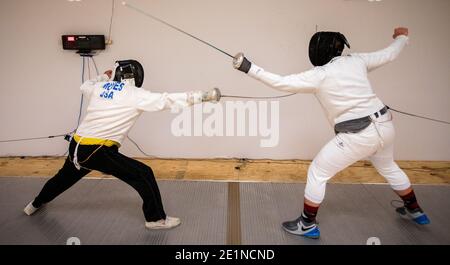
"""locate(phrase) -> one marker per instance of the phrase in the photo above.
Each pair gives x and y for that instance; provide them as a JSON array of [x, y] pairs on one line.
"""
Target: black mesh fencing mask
[[326, 45], [129, 69]]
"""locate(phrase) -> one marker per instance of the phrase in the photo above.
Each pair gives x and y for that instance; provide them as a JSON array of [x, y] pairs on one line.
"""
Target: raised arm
[[376, 59], [305, 82], [88, 85]]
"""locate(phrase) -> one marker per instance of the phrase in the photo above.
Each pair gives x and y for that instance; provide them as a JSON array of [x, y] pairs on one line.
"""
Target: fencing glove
[[241, 63], [212, 95]]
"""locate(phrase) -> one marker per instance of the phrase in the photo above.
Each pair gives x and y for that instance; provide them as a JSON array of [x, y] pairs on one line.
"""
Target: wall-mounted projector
[[83, 43]]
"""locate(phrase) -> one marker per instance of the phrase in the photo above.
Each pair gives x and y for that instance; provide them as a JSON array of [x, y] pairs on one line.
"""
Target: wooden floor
[[283, 171]]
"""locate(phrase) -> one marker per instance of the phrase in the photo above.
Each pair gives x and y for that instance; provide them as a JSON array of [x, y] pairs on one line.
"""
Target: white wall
[[39, 81]]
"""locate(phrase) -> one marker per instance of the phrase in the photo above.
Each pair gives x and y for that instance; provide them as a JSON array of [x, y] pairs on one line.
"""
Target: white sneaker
[[30, 209], [169, 222]]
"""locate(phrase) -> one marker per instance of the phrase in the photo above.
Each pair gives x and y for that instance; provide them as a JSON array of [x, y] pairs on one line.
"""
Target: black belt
[[382, 111], [357, 125]]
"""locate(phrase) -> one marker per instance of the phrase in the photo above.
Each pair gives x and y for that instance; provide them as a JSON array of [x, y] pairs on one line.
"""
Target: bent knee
[[386, 168]]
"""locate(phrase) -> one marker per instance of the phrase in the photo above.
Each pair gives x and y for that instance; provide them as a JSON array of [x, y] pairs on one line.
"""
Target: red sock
[[410, 201], [309, 213]]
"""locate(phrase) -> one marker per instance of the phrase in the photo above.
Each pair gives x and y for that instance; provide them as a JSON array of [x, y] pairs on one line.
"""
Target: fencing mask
[[326, 45], [129, 69]]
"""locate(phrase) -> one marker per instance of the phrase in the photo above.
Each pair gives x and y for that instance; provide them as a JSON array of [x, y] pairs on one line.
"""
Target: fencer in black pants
[[114, 106], [109, 161]]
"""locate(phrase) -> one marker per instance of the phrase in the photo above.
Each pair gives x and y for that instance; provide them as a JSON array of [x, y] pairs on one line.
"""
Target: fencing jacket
[[115, 106], [341, 86]]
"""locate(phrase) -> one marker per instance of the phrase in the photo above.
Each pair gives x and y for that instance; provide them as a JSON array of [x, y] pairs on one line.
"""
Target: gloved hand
[[241, 63], [212, 95], [400, 31]]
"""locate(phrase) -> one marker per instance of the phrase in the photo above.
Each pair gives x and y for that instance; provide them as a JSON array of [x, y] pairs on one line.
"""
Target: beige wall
[[39, 81]]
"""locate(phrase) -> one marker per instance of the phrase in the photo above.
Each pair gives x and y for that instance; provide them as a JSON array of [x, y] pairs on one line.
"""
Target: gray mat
[[107, 211], [350, 214]]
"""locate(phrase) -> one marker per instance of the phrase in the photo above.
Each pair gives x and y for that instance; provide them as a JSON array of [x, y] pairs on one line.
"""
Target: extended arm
[[148, 101], [305, 82]]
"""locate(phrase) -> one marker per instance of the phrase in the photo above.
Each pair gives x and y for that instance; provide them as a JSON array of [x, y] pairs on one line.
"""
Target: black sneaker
[[416, 215], [301, 228]]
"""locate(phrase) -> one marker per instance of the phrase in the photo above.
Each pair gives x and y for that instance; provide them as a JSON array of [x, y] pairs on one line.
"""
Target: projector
[[83, 43]]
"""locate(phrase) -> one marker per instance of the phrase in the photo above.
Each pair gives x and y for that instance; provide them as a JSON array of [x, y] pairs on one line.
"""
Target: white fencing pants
[[376, 142]]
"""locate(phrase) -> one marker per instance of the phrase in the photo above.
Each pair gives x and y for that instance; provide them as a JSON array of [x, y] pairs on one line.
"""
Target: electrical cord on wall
[[139, 148], [67, 135], [268, 97], [95, 65], [82, 98], [32, 138], [113, 3], [89, 69], [418, 116]]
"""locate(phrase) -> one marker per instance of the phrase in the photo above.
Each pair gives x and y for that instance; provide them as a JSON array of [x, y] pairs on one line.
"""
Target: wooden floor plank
[[288, 171]]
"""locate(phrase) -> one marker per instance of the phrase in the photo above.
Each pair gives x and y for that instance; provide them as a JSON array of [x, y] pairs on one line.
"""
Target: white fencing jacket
[[115, 106], [341, 86]]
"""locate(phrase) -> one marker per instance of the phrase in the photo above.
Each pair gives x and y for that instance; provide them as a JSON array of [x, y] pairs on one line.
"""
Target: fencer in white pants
[[366, 131], [375, 143]]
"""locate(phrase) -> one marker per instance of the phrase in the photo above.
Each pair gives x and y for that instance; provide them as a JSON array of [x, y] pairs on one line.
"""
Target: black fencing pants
[[109, 161]]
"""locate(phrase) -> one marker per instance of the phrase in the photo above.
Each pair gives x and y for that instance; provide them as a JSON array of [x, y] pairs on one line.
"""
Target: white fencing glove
[[212, 95]]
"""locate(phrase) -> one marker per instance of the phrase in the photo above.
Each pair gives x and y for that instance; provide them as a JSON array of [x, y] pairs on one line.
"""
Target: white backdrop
[[40, 81]]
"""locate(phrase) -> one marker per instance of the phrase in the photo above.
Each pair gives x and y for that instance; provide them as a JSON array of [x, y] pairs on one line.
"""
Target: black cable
[[204, 42], [269, 97], [175, 28], [33, 138], [95, 65], [397, 201], [89, 69], [82, 98], [139, 148], [111, 21], [418, 116]]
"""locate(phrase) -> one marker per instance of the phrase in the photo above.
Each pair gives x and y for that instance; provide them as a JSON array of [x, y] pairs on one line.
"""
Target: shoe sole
[[303, 235], [30, 212], [163, 227], [405, 215]]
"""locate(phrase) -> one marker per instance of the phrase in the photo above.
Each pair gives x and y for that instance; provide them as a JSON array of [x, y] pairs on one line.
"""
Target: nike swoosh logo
[[306, 228]]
